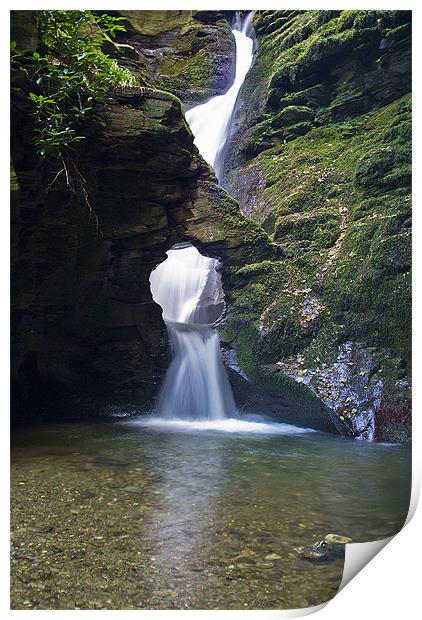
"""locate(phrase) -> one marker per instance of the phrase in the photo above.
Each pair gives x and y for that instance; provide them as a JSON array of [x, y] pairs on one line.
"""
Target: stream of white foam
[[210, 121]]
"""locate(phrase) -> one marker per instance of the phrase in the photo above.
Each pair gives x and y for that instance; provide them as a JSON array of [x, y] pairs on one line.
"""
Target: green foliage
[[70, 74]]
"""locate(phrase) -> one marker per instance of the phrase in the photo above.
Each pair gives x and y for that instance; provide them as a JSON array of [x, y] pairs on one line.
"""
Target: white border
[[387, 587]]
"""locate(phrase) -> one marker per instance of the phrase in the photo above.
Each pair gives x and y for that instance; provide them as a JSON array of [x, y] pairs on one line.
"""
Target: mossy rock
[[337, 202], [383, 168], [322, 227], [254, 269], [293, 114], [188, 53]]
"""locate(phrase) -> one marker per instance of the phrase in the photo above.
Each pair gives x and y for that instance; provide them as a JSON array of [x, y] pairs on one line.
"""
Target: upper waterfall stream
[[210, 121]]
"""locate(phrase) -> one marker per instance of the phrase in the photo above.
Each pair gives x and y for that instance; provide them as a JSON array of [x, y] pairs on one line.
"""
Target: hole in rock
[[188, 287]]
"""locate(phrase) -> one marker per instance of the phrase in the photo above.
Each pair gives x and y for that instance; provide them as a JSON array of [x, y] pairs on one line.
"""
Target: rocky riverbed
[[113, 515]]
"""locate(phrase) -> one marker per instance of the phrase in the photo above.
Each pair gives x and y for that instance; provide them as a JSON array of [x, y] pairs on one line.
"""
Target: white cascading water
[[196, 393], [210, 121], [188, 288], [187, 285]]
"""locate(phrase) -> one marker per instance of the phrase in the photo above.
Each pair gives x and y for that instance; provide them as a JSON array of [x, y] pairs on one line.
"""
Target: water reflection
[[184, 513]]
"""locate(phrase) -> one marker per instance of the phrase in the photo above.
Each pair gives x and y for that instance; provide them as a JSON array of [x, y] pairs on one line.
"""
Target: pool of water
[[135, 514]]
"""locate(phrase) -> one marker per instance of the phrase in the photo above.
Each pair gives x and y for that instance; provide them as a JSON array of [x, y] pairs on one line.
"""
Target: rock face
[[320, 157], [84, 322], [188, 53]]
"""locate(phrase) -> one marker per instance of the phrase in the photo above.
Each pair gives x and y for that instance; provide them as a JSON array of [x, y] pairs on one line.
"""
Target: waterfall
[[210, 121], [188, 288]]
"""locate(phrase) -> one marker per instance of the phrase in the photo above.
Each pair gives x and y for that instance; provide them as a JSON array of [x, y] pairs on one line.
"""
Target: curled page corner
[[298, 613], [262, 614], [358, 555], [306, 611]]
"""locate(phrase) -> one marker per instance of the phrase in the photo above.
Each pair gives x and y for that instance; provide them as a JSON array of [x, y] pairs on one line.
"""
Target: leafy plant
[[70, 75], [66, 76]]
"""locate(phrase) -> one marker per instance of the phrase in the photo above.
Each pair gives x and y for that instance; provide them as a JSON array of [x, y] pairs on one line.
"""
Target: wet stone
[[331, 548], [43, 529], [265, 565], [337, 539]]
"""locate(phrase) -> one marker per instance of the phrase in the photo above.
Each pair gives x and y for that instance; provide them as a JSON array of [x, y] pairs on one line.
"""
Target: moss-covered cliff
[[321, 159]]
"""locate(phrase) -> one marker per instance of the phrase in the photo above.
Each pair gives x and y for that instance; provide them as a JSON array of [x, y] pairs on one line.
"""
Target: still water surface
[[126, 515]]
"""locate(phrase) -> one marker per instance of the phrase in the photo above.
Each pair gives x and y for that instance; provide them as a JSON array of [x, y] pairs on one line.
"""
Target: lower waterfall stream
[[188, 288]]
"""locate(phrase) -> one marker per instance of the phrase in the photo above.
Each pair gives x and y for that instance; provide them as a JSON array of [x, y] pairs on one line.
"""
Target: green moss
[[304, 48], [166, 94], [227, 211], [284, 339], [254, 269], [322, 227], [244, 348], [14, 183], [340, 197], [197, 69], [397, 34], [201, 70], [317, 41], [383, 168], [292, 114]]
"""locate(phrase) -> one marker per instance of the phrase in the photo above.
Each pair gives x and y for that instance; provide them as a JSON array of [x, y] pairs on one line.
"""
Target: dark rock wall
[[320, 157]]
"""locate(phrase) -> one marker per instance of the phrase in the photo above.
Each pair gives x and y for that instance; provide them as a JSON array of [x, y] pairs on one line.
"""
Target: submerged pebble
[[331, 548]]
